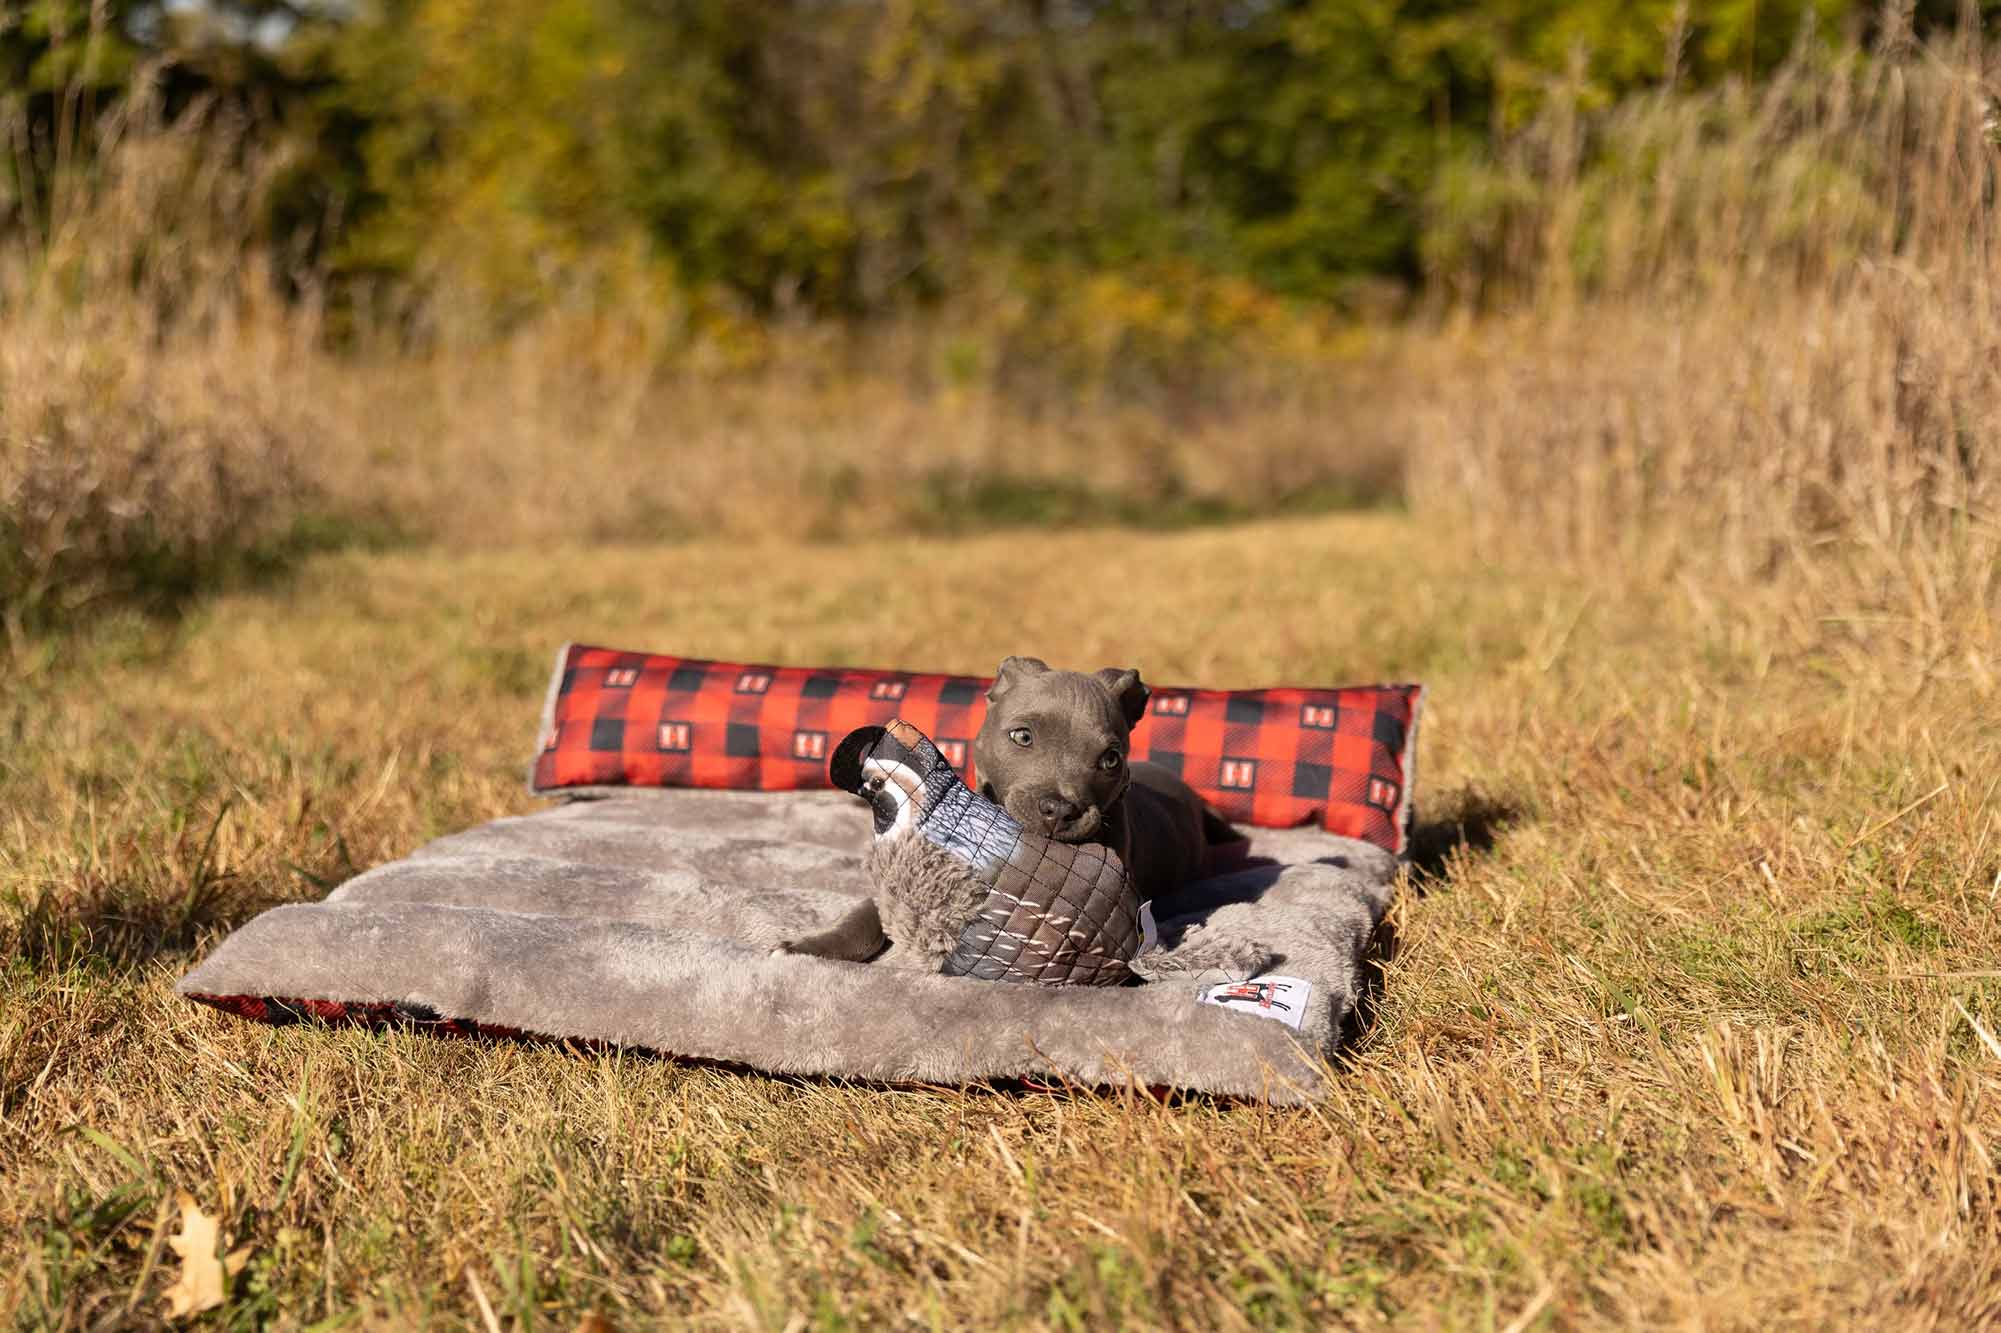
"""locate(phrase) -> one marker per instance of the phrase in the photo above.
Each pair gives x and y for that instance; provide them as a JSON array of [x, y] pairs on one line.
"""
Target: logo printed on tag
[[1283, 998]]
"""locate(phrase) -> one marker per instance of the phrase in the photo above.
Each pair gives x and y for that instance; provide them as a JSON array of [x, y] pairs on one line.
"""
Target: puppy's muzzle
[[1074, 826]]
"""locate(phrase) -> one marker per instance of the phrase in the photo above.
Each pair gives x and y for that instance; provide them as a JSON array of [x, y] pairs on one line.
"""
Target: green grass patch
[[949, 501]]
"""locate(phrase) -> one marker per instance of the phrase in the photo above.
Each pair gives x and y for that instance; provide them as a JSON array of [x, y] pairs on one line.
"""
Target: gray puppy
[[1053, 752]]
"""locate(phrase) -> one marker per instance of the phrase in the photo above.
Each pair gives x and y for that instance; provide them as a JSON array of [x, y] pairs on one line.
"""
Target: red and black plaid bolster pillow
[[1277, 758]]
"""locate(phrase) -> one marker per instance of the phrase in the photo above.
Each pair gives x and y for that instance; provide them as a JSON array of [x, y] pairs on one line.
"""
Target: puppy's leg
[[1166, 846], [1206, 955], [1217, 830], [855, 938]]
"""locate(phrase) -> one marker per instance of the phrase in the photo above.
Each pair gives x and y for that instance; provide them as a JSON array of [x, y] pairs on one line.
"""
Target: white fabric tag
[[1149, 934], [1283, 998]]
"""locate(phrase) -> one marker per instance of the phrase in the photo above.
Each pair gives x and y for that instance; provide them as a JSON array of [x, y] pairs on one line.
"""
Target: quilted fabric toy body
[[1052, 913]]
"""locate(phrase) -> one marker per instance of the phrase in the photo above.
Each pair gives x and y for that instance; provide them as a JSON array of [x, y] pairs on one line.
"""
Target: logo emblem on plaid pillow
[[1237, 774], [1383, 793], [1318, 717], [1169, 705], [809, 745], [753, 682], [954, 752], [677, 736], [621, 678], [889, 690]]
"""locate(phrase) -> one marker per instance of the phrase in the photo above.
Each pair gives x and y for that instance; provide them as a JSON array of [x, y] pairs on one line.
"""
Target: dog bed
[[650, 919]]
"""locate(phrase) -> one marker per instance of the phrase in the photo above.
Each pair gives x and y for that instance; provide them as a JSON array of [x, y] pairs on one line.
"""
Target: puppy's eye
[[1020, 736], [874, 785], [1109, 760]]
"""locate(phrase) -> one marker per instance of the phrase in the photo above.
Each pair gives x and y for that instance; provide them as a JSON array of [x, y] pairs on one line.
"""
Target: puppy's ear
[[1129, 690], [1011, 670]]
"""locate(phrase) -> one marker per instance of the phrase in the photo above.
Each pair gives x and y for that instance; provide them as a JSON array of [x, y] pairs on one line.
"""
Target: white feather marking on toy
[[906, 781]]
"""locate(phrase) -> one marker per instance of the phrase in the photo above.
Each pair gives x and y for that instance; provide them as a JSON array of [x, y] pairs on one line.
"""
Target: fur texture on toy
[[961, 883]]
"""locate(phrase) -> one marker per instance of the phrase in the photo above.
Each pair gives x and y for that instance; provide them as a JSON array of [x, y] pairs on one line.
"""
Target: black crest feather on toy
[[844, 770]]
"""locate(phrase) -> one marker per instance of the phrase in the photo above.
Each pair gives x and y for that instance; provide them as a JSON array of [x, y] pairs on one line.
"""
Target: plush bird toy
[[961, 885]]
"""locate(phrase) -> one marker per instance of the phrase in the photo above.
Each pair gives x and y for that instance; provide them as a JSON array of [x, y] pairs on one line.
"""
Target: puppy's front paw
[[855, 938], [1203, 955]]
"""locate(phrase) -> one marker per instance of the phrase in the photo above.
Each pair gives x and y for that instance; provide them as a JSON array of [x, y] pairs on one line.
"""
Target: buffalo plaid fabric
[[282, 1011], [279, 1011], [1275, 758]]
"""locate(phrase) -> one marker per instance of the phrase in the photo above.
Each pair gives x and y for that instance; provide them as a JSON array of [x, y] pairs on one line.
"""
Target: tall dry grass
[[1757, 341], [168, 420], [1746, 335], [148, 441], [573, 430]]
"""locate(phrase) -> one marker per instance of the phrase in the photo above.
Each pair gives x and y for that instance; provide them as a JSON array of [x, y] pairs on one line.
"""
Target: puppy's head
[[1052, 750]]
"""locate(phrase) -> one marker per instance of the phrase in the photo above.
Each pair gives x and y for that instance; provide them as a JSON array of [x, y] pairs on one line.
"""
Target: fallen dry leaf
[[203, 1275]]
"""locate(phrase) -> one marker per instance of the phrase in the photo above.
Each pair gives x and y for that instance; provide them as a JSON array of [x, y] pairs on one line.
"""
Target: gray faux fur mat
[[651, 919]]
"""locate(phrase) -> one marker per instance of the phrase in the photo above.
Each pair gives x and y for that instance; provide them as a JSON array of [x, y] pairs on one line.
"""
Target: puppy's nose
[[1055, 810]]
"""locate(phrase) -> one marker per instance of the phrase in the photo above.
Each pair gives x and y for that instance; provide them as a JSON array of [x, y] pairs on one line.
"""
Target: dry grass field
[[1696, 1024], [1691, 1012]]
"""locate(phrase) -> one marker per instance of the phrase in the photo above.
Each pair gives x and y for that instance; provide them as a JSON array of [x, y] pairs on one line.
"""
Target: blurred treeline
[[852, 158]]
